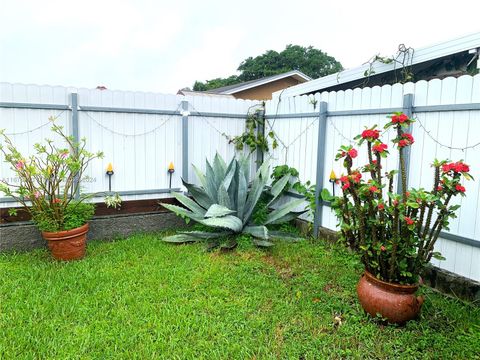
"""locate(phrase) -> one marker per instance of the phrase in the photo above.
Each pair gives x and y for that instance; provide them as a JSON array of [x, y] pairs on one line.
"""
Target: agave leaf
[[200, 176], [227, 222], [183, 212], [255, 192], [283, 210], [180, 239], [212, 187], [280, 235], [288, 217], [241, 193], [278, 187], [257, 231], [217, 210], [262, 243], [244, 163], [207, 235], [223, 198], [229, 174], [189, 203], [219, 169], [233, 190], [199, 194]]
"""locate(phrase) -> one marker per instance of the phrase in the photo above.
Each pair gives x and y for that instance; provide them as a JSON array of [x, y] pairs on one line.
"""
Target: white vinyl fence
[[141, 133], [447, 127]]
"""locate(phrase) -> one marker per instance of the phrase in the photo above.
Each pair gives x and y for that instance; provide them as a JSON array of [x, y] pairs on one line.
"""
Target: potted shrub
[[48, 187], [395, 232]]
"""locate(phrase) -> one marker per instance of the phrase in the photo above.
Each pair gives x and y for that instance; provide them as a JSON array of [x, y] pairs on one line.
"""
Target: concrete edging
[[24, 236]]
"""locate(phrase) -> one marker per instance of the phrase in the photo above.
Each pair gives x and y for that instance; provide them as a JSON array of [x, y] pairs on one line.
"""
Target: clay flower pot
[[397, 303], [69, 244]]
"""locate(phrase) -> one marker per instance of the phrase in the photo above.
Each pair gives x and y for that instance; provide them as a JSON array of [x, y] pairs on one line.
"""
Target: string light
[[135, 135], [38, 127]]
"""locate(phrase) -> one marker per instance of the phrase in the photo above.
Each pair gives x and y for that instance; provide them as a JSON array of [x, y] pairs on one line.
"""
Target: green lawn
[[140, 299]]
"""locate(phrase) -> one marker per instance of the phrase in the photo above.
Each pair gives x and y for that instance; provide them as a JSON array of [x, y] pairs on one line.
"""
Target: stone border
[[24, 236], [439, 279]]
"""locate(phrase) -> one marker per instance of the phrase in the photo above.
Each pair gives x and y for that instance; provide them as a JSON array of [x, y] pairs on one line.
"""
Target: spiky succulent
[[226, 201]]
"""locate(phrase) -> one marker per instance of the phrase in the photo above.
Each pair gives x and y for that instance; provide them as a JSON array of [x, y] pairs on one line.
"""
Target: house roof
[[422, 55], [232, 89]]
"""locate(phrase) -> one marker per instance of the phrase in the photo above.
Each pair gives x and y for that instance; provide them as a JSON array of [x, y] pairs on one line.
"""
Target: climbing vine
[[403, 59]]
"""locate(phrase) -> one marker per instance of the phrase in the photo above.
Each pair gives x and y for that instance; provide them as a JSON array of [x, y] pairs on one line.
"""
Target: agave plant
[[226, 201]]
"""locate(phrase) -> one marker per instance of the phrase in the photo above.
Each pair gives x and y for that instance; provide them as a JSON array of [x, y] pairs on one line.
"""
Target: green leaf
[[413, 204], [325, 195], [278, 187], [262, 243], [207, 235], [200, 176], [199, 194], [189, 203], [257, 231], [228, 222], [223, 197], [288, 217], [183, 212], [180, 239], [242, 193], [283, 210], [217, 210]]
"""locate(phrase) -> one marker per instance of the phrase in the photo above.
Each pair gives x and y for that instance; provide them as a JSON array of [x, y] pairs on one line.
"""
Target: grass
[[140, 298]]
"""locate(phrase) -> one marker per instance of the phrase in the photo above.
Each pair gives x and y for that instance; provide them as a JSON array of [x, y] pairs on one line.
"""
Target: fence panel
[[454, 129]]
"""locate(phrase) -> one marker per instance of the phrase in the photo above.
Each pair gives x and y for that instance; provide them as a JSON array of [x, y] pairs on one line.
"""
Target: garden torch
[[333, 179], [171, 170], [109, 173]]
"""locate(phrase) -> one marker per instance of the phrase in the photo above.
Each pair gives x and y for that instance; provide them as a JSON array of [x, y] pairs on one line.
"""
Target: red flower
[[345, 186], [457, 167], [399, 118], [383, 248], [356, 177], [409, 221], [407, 193], [56, 200], [395, 202], [460, 188], [380, 147], [373, 189], [344, 179], [352, 153], [408, 136], [381, 206], [370, 134], [439, 188], [407, 139]]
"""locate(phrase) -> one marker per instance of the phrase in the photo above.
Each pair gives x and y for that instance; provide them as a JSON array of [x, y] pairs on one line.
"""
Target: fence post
[[260, 131], [407, 110], [185, 140], [75, 135], [322, 132]]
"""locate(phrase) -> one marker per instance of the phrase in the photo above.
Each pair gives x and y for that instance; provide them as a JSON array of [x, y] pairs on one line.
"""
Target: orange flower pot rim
[[65, 234], [408, 289]]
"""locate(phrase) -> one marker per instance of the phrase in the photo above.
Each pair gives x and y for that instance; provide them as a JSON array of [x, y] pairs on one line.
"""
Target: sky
[[163, 46]]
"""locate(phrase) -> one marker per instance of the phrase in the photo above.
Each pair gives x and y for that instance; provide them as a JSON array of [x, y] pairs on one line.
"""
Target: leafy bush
[[48, 180], [226, 201]]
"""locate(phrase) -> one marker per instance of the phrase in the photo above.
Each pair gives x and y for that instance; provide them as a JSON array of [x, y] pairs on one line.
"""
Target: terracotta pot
[[397, 303], [69, 244]]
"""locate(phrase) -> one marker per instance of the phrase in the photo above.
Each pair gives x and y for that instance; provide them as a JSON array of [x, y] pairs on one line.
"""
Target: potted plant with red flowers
[[395, 232], [46, 185]]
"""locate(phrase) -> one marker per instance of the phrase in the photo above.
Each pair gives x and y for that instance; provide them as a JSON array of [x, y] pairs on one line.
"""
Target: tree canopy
[[312, 62]]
